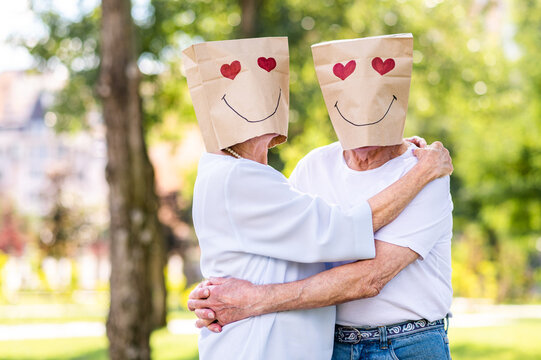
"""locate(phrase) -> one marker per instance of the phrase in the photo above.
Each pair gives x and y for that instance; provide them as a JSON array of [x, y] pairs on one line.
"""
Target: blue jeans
[[430, 344]]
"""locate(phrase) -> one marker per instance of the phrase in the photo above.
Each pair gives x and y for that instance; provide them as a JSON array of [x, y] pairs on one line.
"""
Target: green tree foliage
[[74, 44], [469, 89]]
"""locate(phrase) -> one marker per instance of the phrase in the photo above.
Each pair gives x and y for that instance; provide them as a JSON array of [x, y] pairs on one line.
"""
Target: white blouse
[[251, 224]]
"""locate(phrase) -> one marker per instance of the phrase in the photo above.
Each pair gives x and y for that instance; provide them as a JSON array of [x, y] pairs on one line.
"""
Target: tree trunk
[[158, 262], [136, 241], [249, 17]]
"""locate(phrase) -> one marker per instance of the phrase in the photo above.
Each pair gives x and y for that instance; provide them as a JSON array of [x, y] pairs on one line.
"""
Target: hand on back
[[221, 301]]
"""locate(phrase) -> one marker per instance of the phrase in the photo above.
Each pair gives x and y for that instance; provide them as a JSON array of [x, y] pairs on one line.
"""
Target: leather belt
[[354, 335]]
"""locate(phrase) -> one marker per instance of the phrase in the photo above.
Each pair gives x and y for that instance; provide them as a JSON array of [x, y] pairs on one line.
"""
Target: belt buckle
[[348, 335]]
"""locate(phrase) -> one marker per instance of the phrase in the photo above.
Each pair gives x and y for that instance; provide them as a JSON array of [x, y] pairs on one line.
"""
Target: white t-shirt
[[251, 224], [423, 288]]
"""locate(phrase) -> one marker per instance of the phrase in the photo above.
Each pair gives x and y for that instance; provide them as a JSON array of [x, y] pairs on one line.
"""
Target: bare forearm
[[230, 299], [349, 282], [331, 287]]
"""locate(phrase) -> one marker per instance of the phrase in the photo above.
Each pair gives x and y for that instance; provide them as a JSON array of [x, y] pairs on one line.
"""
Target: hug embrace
[[349, 258]]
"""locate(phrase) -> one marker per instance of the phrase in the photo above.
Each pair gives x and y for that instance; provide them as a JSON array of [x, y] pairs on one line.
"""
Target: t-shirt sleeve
[[270, 218], [424, 222]]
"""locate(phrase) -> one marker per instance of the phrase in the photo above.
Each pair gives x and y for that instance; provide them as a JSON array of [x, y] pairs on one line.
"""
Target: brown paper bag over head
[[365, 84], [239, 89]]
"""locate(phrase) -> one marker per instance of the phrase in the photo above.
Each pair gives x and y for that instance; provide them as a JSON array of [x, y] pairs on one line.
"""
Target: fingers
[[196, 304], [418, 153], [203, 283], [449, 160], [217, 280], [199, 293], [436, 159], [417, 140], [191, 306], [211, 325], [214, 327], [205, 314], [201, 323]]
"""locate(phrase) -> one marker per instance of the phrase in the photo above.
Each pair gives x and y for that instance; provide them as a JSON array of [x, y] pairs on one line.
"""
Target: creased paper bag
[[239, 89], [365, 83]]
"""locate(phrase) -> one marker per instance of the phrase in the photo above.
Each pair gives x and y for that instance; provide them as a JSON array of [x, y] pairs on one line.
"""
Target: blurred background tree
[[476, 86], [12, 236], [65, 227]]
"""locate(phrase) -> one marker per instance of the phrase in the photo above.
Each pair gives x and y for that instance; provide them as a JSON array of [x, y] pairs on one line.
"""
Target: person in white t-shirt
[[419, 297]]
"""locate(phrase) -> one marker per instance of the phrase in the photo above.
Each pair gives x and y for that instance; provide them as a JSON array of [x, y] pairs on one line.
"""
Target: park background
[[476, 86]]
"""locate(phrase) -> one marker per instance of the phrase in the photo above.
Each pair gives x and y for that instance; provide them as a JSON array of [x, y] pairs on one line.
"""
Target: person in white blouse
[[253, 225], [379, 316]]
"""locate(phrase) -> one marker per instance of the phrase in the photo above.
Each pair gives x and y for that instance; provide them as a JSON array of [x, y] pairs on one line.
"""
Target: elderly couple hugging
[[364, 223]]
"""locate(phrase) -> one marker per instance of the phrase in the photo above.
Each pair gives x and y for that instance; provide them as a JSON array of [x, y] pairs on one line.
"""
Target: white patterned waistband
[[353, 335]]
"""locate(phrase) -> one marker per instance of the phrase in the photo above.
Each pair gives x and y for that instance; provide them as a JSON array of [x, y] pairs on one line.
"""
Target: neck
[[371, 157], [255, 149]]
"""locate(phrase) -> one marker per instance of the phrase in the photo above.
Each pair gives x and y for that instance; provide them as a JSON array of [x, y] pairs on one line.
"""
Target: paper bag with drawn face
[[239, 89], [365, 84]]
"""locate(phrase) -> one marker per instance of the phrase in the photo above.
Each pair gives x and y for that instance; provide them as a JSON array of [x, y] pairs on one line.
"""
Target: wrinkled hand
[[221, 301], [206, 317], [435, 159], [417, 141]]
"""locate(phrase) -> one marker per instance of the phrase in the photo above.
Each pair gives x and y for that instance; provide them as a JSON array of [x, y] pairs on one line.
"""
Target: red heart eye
[[266, 63], [382, 67], [342, 71], [230, 70]]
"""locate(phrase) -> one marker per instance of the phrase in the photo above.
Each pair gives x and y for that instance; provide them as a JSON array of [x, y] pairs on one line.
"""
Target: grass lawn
[[165, 346], [520, 340]]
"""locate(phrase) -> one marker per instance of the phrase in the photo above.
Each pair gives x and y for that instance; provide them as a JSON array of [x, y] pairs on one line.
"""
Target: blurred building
[[31, 151], [40, 168]]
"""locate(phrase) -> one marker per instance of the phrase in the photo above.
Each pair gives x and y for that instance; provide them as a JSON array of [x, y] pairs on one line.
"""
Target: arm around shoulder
[[270, 218], [434, 162]]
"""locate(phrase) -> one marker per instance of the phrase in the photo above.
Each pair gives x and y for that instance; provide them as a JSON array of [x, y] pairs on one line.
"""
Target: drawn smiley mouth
[[254, 121], [372, 123]]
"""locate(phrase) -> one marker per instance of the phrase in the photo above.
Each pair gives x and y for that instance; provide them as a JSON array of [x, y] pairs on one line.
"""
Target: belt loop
[[446, 322], [383, 337]]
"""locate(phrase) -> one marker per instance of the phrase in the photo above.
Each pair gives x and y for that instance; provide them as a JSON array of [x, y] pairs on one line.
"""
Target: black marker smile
[[372, 123], [254, 121]]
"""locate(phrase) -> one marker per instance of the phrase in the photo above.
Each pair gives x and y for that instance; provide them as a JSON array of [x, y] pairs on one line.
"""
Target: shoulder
[[434, 199], [231, 172], [247, 173], [406, 161], [313, 163], [437, 188], [212, 166], [321, 154], [434, 194], [255, 185], [325, 151]]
